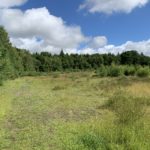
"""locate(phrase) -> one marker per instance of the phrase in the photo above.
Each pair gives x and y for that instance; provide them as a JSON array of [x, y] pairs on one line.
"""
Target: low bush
[[129, 71], [143, 72], [115, 71], [109, 71], [102, 71]]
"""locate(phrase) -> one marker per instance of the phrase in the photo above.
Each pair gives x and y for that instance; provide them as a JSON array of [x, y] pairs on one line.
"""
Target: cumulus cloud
[[37, 29], [97, 42], [141, 47], [111, 6], [11, 3]]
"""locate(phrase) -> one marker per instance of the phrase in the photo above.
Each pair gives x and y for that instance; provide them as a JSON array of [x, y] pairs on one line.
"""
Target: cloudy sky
[[78, 26]]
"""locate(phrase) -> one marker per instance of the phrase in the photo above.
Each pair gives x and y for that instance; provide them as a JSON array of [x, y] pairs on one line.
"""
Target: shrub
[[115, 71], [129, 71], [143, 72], [112, 71], [102, 71]]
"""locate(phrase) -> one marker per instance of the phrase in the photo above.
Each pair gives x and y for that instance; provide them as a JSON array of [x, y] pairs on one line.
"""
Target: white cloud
[[37, 29], [141, 47], [11, 3], [27, 43], [111, 6], [97, 42]]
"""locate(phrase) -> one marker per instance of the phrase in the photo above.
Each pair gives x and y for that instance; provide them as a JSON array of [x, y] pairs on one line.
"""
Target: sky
[[78, 26]]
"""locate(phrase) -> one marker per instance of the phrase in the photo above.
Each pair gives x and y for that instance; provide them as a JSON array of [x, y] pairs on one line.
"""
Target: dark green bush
[[115, 71], [129, 71]]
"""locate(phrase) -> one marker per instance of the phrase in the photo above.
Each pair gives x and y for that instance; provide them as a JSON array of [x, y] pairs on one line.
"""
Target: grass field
[[75, 111]]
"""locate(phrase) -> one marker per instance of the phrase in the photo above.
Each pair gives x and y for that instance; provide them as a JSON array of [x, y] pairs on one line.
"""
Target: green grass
[[75, 111]]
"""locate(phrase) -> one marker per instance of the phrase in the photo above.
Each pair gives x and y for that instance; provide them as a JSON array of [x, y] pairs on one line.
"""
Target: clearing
[[69, 112]]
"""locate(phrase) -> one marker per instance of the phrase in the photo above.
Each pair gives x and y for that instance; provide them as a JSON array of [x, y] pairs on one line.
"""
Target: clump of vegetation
[[143, 72], [57, 88], [84, 137], [102, 71], [93, 141], [116, 71], [129, 70], [127, 108]]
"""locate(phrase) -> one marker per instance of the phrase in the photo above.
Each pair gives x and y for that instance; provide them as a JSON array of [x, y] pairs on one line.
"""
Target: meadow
[[75, 111]]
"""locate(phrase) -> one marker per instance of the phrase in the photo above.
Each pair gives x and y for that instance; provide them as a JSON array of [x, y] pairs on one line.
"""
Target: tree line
[[16, 62]]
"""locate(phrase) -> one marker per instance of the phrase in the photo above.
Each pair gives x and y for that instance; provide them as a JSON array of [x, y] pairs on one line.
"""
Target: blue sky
[[86, 26], [119, 27]]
